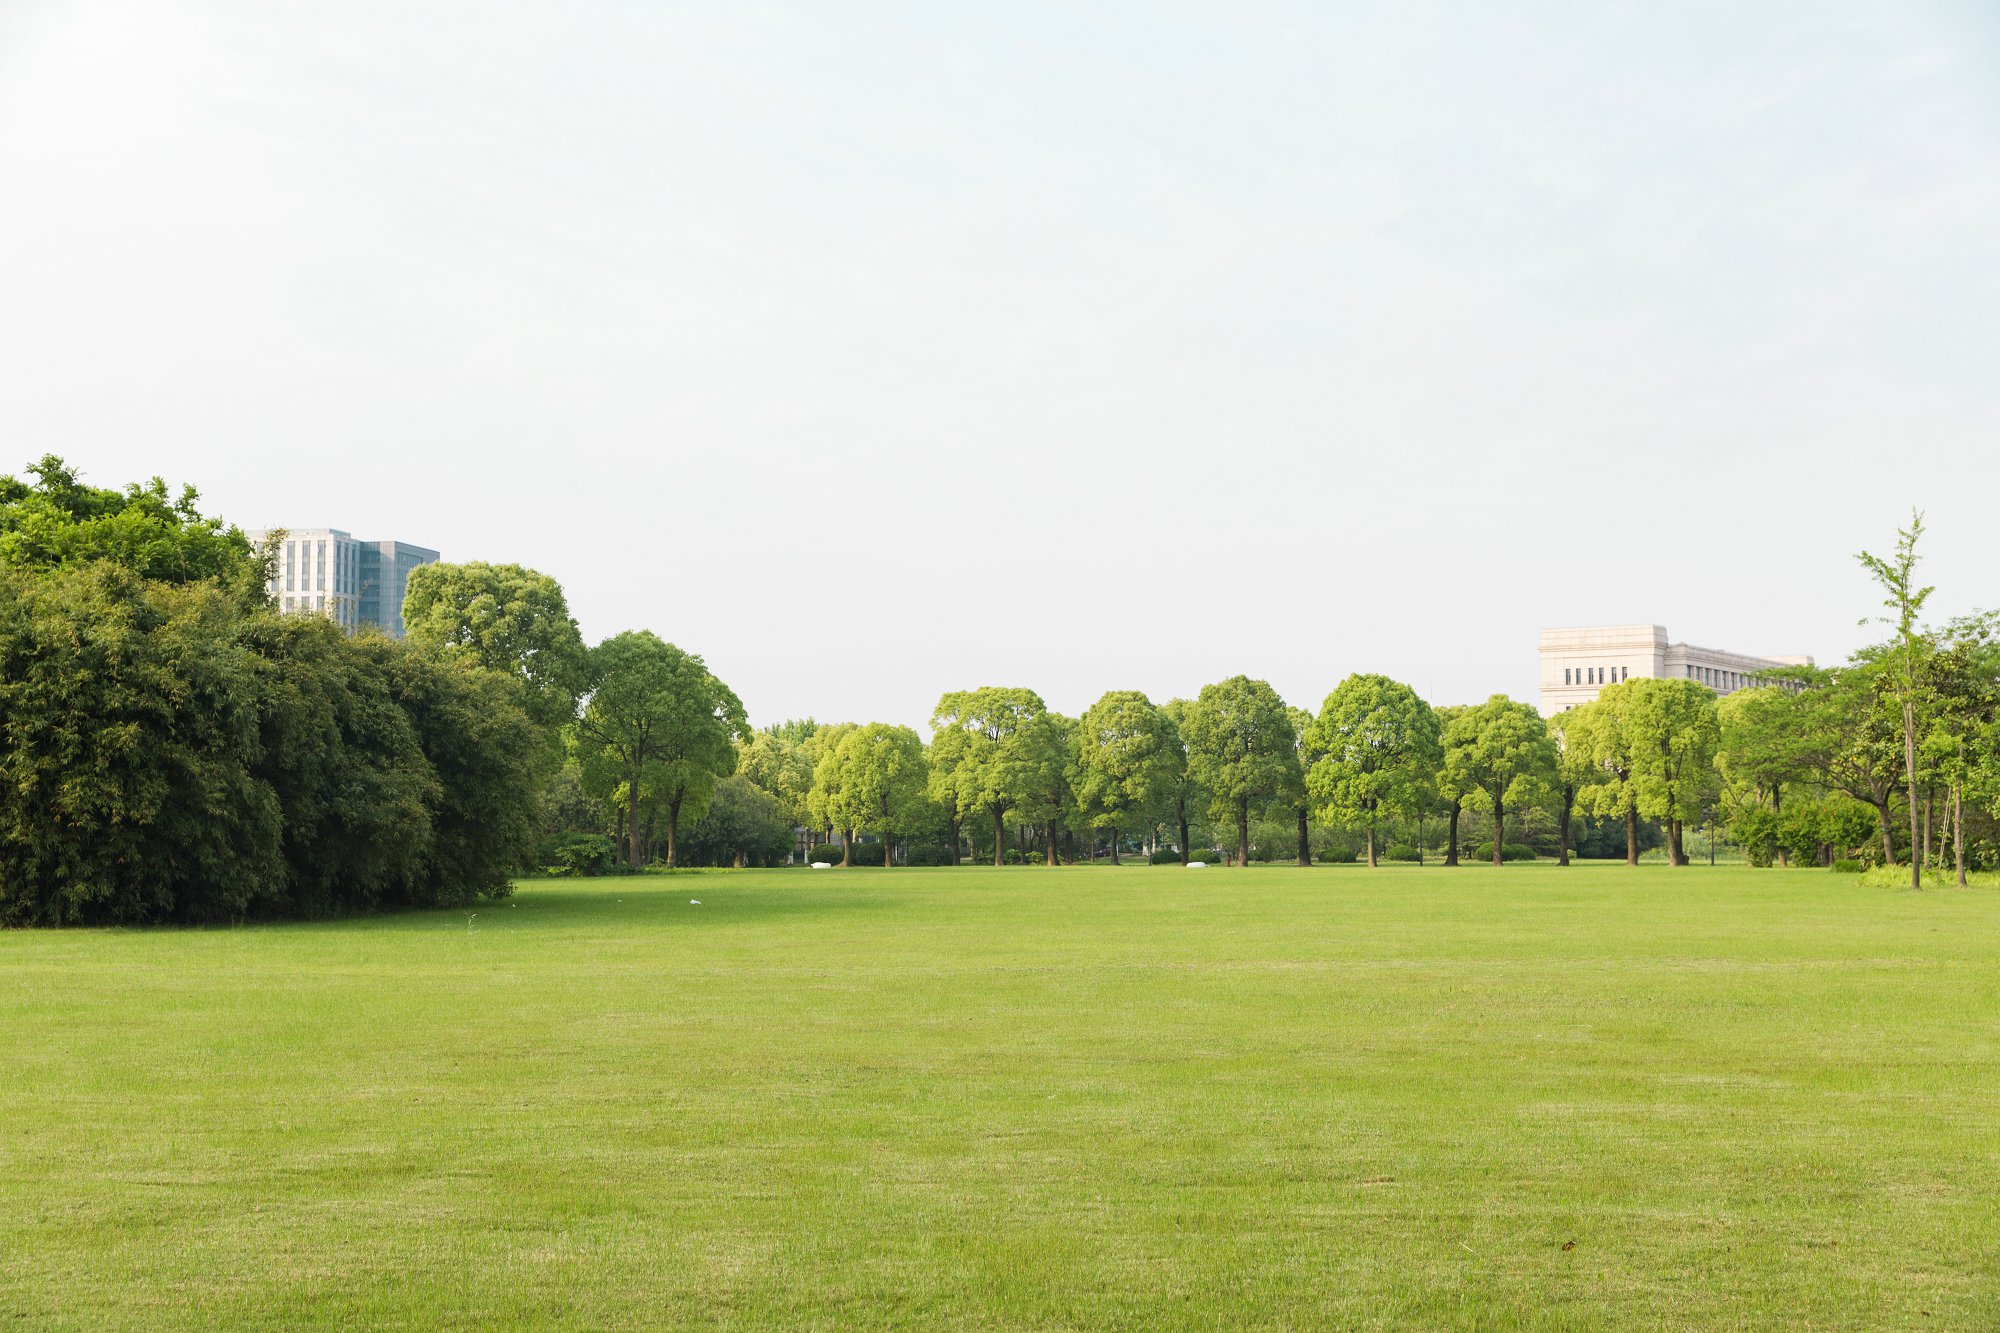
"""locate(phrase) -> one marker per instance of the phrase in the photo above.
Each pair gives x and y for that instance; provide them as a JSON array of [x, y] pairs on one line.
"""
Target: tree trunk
[[846, 848], [1675, 857], [738, 862], [1371, 844], [1114, 847], [1910, 784], [1778, 808], [1631, 832], [673, 829], [1305, 840], [954, 835], [1184, 837], [1927, 827], [628, 832], [1888, 843], [1569, 804], [1451, 837], [999, 835], [1958, 831], [1243, 830], [1499, 828], [1050, 851]]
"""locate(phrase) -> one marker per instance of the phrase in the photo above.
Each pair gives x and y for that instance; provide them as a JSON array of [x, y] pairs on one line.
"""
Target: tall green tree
[[1604, 732], [1003, 753], [1184, 793], [1499, 750], [1897, 577], [1761, 751], [779, 766], [663, 722], [1129, 759], [877, 782], [1450, 795], [1379, 746], [1577, 769], [507, 619], [1673, 732], [1242, 748]]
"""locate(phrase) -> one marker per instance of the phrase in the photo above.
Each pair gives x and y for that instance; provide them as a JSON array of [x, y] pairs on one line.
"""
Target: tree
[[507, 619], [60, 523], [1002, 758], [780, 766], [1499, 750], [1379, 746], [1609, 741], [879, 781], [743, 825], [1760, 752], [1897, 577], [1671, 729], [1242, 747], [1129, 759], [664, 723], [1574, 732], [1184, 793], [1846, 738], [1449, 793]]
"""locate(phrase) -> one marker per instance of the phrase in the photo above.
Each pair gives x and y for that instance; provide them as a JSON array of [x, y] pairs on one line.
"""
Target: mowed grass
[[1022, 1099]]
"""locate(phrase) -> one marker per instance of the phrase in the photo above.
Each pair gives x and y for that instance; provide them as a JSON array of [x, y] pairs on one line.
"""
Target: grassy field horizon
[[1141, 1097]]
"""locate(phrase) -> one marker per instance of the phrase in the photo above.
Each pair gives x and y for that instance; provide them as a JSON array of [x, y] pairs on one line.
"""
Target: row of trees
[[1891, 758]]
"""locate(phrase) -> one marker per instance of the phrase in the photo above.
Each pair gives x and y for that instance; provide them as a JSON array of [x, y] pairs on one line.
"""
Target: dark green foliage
[[577, 854], [1337, 856], [1402, 851], [928, 854], [1511, 851], [1165, 856], [1846, 866], [172, 754], [130, 755], [742, 820]]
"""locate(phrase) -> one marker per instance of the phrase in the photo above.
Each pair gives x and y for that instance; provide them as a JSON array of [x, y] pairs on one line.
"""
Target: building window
[[1566, 679]]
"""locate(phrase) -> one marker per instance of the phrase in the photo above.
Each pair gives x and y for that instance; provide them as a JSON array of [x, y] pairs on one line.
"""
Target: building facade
[[324, 571], [1577, 663]]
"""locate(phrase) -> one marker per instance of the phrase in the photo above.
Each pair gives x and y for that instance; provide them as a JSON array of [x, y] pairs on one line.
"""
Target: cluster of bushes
[[176, 750], [1509, 851], [1337, 856], [573, 855], [1402, 851], [172, 754]]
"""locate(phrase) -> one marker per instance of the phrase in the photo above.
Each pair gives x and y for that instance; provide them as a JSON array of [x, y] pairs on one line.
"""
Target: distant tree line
[[176, 750]]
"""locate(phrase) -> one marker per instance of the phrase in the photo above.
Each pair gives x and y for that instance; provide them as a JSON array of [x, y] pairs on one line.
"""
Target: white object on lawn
[[822, 865], [1197, 865]]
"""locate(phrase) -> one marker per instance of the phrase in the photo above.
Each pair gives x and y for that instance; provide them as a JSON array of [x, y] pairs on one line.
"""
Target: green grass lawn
[[1084, 1098]]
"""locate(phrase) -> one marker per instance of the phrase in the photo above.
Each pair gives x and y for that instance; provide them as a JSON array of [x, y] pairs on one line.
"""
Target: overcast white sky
[[1070, 346]]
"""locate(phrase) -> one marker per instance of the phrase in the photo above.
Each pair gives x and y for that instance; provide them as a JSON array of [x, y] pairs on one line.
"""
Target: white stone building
[[324, 571], [1577, 663]]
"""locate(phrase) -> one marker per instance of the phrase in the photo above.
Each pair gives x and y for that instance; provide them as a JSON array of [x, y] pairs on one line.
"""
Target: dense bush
[[742, 821], [1337, 856], [1164, 856], [175, 753], [1402, 851], [928, 854], [1846, 866], [577, 854], [1510, 851]]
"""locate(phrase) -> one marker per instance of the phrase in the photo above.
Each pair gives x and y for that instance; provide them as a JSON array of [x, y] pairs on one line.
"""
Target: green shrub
[[1846, 866], [928, 854], [1511, 851], [1336, 856], [1165, 856], [577, 854], [1402, 851]]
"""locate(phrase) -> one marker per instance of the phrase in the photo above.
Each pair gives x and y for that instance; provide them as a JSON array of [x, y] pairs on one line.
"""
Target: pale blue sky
[[1077, 347]]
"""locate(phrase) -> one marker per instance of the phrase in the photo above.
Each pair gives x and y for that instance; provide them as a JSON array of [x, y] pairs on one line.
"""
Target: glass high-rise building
[[324, 571]]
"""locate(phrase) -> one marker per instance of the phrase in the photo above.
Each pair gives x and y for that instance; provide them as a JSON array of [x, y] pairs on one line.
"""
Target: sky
[[875, 350]]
